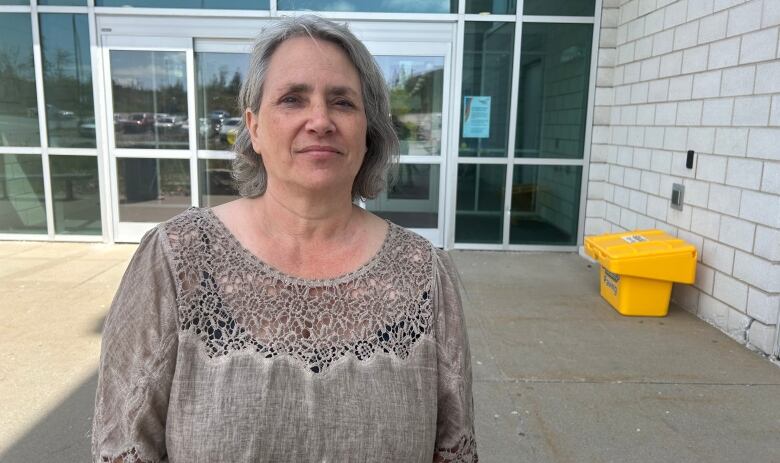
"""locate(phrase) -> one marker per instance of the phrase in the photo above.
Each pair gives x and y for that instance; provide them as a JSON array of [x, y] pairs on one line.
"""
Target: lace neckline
[[252, 259]]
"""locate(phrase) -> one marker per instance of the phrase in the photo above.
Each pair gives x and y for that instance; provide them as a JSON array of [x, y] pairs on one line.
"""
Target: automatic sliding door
[[150, 138]]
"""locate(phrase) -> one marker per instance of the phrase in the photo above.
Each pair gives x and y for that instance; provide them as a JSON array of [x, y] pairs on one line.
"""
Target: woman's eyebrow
[[340, 90]]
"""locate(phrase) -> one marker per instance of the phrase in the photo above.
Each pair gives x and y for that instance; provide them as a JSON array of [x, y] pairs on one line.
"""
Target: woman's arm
[[137, 360], [455, 440]]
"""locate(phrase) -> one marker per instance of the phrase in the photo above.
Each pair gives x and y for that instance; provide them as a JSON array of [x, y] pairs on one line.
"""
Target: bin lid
[[645, 253]]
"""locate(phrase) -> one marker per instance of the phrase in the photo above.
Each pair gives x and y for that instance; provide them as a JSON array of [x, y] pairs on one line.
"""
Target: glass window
[[491, 6], [63, 2], [216, 182], [14, 2], [559, 7], [219, 80], [553, 90], [545, 205], [150, 99], [76, 194], [212, 4], [373, 6], [152, 190], [67, 80], [487, 80], [22, 208], [480, 202], [413, 200], [18, 100], [416, 85]]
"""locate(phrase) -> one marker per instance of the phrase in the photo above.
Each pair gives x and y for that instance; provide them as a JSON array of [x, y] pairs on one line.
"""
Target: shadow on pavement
[[63, 435]]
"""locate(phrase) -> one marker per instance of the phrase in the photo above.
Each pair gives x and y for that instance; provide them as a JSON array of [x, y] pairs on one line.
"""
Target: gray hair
[[381, 140]]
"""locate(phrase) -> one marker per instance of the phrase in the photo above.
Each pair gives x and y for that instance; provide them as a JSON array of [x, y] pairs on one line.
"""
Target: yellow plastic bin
[[639, 267]]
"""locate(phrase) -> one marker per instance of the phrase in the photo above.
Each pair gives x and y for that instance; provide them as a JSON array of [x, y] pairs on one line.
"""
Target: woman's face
[[311, 126]]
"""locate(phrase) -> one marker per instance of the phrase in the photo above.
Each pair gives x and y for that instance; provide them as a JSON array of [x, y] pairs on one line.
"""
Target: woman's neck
[[305, 217]]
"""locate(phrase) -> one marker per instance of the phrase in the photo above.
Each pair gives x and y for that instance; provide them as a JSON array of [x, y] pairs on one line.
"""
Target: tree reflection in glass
[[416, 89], [67, 80], [18, 100], [219, 80], [150, 99]]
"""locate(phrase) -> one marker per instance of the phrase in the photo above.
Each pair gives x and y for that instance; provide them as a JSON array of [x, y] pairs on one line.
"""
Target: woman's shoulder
[[188, 230]]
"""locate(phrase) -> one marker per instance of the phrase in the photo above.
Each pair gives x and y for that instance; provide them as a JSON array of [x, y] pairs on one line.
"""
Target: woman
[[291, 325]]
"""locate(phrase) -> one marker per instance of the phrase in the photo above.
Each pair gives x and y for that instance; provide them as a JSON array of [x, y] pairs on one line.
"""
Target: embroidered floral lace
[[221, 341]]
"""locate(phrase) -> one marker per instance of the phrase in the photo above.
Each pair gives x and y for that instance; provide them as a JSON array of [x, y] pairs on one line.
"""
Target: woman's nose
[[320, 120]]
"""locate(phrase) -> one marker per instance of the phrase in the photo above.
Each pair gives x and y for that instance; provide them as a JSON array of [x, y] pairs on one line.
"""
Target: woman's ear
[[252, 123]]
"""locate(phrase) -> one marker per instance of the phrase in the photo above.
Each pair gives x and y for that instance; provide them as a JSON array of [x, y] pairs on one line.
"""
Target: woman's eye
[[289, 99], [345, 103]]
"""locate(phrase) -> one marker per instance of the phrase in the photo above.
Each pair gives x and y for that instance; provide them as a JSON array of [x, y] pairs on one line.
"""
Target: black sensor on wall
[[689, 160]]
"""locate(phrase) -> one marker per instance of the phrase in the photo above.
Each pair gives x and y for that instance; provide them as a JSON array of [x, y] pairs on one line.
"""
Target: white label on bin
[[634, 239]]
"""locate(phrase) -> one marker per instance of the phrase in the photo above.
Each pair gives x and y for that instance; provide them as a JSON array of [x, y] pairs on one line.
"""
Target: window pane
[[480, 203], [219, 80], [553, 90], [374, 6], [22, 208], [18, 101], [216, 182], [559, 7], [545, 205], [67, 80], [152, 190], [213, 4], [75, 189], [413, 201], [416, 86], [491, 6], [150, 99], [14, 2], [487, 80], [63, 2]]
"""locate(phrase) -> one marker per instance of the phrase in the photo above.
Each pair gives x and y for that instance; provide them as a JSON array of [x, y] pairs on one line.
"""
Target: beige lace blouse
[[210, 355]]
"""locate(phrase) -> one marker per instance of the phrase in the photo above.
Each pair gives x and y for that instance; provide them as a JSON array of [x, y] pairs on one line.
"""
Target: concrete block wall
[[702, 75]]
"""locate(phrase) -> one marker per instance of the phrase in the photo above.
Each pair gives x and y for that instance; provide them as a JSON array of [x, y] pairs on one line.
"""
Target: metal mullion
[[476, 160], [14, 9], [42, 123], [596, 33], [193, 125], [181, 12], [513, 97], [216, 154], [273, 8], [452, 159], [548, 162], [20, 150], [474, 17], [101, 137], [366, 16], [73, 151], [150, 153], [559, 19], [407, 159], [62, 9]]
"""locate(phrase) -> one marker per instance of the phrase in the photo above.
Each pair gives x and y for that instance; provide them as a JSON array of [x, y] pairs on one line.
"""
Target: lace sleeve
[[455, 440], [137, 360]]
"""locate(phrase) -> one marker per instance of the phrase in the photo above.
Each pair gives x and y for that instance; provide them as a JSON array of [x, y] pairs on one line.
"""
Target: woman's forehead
[[307, 62]]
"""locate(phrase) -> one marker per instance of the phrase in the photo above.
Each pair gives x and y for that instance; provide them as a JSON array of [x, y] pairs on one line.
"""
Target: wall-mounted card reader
[[678, 191]]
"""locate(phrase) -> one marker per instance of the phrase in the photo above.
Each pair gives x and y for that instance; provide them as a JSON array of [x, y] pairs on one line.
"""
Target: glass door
[[150, 102], [418, 78]]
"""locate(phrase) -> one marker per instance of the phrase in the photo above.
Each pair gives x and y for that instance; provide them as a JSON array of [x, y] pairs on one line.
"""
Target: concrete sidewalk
[[558, 375]]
